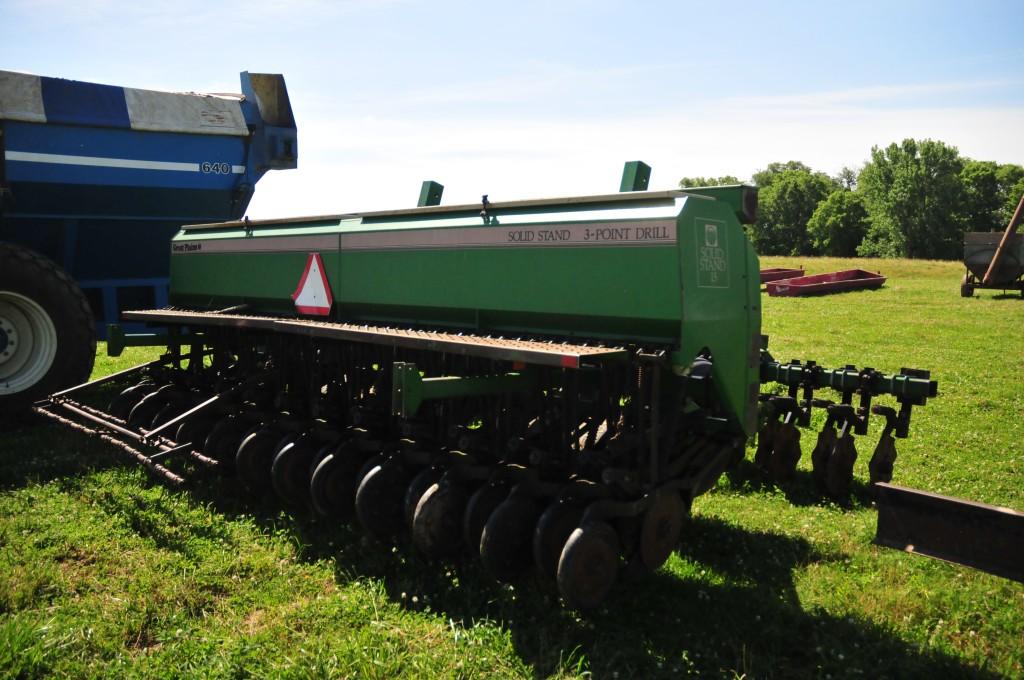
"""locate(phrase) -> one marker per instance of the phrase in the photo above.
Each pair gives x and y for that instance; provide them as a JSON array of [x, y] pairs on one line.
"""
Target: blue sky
[[532, 99]]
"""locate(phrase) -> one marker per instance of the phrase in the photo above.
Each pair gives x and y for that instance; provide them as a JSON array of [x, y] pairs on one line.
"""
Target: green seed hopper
[[547, 382]]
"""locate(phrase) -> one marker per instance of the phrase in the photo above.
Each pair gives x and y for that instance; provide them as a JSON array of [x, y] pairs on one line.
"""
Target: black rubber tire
[[478, 510], [29, 274], [290, 471], [143, 413], [506, 544], [661, 527], [121, 405], [379, 500], [966, 289], [222, 442], [554, 527], [588, 566], [422, 481], [194, 431], [437, 522], [332, 486], [254, 457]]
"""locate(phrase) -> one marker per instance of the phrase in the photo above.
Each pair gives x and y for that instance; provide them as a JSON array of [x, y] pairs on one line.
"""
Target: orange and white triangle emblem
[[313, 296]]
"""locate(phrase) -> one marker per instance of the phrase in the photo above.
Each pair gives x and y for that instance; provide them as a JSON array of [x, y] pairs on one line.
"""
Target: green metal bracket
[[909, 385], [430, 193], [636, 175], [409, 389], [117, 339]]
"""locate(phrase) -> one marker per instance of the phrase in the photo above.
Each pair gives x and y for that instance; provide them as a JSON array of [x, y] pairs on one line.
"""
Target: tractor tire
[[47, 332]]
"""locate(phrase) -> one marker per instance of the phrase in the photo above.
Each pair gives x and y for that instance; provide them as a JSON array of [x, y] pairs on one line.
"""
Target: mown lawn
[[105, 573]]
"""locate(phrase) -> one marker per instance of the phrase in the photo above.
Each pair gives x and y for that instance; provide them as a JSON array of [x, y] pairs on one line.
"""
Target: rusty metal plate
[[564, 355], [986, 537]]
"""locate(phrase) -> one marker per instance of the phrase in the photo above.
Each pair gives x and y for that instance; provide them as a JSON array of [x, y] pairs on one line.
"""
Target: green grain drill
[[544, 384]]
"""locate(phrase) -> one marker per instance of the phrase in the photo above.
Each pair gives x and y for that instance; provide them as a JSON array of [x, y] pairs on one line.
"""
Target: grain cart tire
[[47, 333], [966, 289]]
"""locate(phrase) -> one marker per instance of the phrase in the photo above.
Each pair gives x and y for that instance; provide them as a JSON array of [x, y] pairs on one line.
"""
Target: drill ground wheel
[[588, 566], [254, 457], [482, 503], [379, 500], [506, 541], [662, 525], [437, 523], [423, 480], [290, 471], [121, 405], [554, 527], [332, 488]]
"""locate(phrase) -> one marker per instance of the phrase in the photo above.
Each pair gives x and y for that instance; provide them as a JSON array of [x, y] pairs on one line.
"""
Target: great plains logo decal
[[313, 296]]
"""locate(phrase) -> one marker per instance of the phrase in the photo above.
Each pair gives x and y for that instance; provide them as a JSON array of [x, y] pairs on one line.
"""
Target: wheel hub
[[28, 342], [8, 339]]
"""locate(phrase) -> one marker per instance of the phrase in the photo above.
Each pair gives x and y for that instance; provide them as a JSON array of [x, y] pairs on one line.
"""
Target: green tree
[[847, 178], [765, 178], [1011, 185], [915, 194], [784, 208], [839, 224], [983, 196], [707, 181]]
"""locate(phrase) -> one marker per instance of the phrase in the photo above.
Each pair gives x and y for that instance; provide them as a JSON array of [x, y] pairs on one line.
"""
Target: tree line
[[912, 199]]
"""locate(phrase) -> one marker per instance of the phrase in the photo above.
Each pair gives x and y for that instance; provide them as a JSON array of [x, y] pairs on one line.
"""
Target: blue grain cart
[[94, 181]]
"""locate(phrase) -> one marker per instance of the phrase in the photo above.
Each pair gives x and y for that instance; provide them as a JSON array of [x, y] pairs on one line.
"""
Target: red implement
[[776, 273], [832, 282]]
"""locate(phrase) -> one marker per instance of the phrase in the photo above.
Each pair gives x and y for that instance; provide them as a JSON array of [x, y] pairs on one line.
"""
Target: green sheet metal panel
[[666, 268]]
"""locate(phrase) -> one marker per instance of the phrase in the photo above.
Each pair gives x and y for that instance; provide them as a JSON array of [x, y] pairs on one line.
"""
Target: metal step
[[538, 352]]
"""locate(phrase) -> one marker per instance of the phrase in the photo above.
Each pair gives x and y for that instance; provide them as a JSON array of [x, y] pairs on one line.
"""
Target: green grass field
[[105, 573]]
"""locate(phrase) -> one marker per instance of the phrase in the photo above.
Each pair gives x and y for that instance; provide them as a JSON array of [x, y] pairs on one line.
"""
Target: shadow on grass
[[799, 490], [34, 451], [728, 606]]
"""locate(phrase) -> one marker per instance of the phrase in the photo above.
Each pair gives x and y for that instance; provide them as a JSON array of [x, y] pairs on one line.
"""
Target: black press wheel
[[437, 523], [121, 405], [481, 504], [506, 542], [254, 457], [47, 332], [553, 529], [661, 527], [290, 472], [332, 487], [379, 500], [422, 481], [588, 566]]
